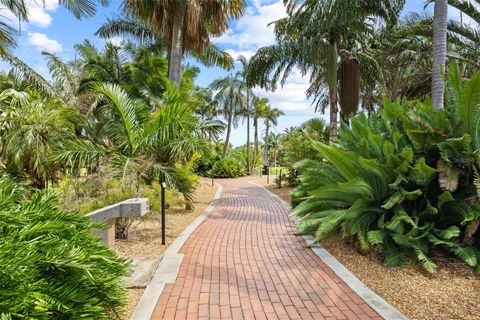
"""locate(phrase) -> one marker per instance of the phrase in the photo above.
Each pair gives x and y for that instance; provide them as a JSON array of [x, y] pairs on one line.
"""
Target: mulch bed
[[451, 293]]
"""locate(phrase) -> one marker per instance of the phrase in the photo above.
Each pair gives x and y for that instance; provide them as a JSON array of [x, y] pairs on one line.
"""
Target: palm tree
[[230, 97], [140, 144], [248, 94], [259, 109], [309, 38], [274, 143], [32, 128], [181, 25], [440, 21], [271, 118]]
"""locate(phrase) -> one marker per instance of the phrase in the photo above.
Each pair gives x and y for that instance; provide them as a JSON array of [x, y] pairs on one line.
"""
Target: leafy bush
[[227, 168], [52, 266], [403, 181]]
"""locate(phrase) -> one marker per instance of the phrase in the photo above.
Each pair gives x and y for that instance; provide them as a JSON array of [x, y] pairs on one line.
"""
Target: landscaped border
[[169, 266], [382, 307]]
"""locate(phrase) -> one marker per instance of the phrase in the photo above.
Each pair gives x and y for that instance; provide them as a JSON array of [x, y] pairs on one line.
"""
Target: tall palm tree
[[440, 21], [309, 38], [183, 25], [274, 144], [271, 118], [259, 110], [248, 94], [230, 96]]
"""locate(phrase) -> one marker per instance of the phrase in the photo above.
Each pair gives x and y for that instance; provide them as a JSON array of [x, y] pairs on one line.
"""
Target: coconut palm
[[440, 21], [271, 119], [231, 98], [181, 26], [310, 37]]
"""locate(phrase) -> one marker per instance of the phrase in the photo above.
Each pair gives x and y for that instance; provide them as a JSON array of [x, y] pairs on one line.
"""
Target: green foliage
[[227, 168], [53, 267], [402, 181], [93, 192]]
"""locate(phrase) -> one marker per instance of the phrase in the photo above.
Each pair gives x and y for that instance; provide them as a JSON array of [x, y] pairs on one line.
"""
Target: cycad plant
[[402, 181]]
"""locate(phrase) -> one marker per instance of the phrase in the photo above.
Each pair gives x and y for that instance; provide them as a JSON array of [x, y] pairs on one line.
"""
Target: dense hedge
[[403, 181], [51, 265], [227, 168]]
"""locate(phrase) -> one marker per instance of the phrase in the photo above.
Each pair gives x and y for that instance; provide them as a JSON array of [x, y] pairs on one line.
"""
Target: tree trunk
[[229, 129], [440, 21], [265, 147], [333, 89], [248, 136], [176, 49], [255, 138]]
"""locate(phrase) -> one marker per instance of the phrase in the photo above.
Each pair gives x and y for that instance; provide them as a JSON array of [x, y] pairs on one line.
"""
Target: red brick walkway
[[245, 262]]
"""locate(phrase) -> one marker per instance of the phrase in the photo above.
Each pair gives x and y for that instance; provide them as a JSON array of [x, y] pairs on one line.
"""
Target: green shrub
[[403, 181], [227, 168], [52, 266]]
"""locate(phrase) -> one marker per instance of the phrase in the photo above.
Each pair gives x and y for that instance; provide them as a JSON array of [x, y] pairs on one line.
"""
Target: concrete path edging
[[382, 307], [169, 266]]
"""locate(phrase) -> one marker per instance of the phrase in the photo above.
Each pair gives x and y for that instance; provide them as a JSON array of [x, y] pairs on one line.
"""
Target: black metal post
[[280, 179], [213, 181], [163, 212], [268, 175]]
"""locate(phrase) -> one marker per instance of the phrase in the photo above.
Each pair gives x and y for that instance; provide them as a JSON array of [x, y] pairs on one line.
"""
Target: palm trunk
[[333, 90], [248, 136], [176, 49], [255, 138], [265, 147], [227, 138], [440, 21], [229, 126]]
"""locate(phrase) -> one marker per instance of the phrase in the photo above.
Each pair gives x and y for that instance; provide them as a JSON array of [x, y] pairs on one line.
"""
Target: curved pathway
[[246, 262]]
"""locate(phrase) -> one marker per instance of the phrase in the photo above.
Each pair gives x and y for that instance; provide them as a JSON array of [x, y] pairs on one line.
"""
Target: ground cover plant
[[404, 181], [52, 266]]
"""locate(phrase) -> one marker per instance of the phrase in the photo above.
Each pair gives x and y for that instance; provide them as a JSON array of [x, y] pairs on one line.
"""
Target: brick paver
[[246, 262]]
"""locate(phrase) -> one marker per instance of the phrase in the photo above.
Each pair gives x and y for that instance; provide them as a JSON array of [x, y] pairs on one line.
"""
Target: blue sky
[[54, 29]]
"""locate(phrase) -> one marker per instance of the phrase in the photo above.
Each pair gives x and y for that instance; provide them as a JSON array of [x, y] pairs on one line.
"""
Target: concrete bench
[[130, 208]]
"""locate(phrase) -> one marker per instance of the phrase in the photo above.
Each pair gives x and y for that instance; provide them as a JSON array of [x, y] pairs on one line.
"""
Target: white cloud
[[236, 54], [41, 42], [116, 41], [289, 98], [253, 30], [38, 13]]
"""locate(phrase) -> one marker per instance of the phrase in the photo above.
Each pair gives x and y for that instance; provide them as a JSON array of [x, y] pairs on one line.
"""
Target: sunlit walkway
[[245, 262]]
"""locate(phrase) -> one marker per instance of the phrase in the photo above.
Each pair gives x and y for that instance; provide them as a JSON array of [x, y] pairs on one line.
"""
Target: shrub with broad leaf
[[404, 180]]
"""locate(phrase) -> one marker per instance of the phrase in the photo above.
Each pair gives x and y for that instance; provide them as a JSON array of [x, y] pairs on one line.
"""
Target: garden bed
[[145, 238], [451, 293]]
